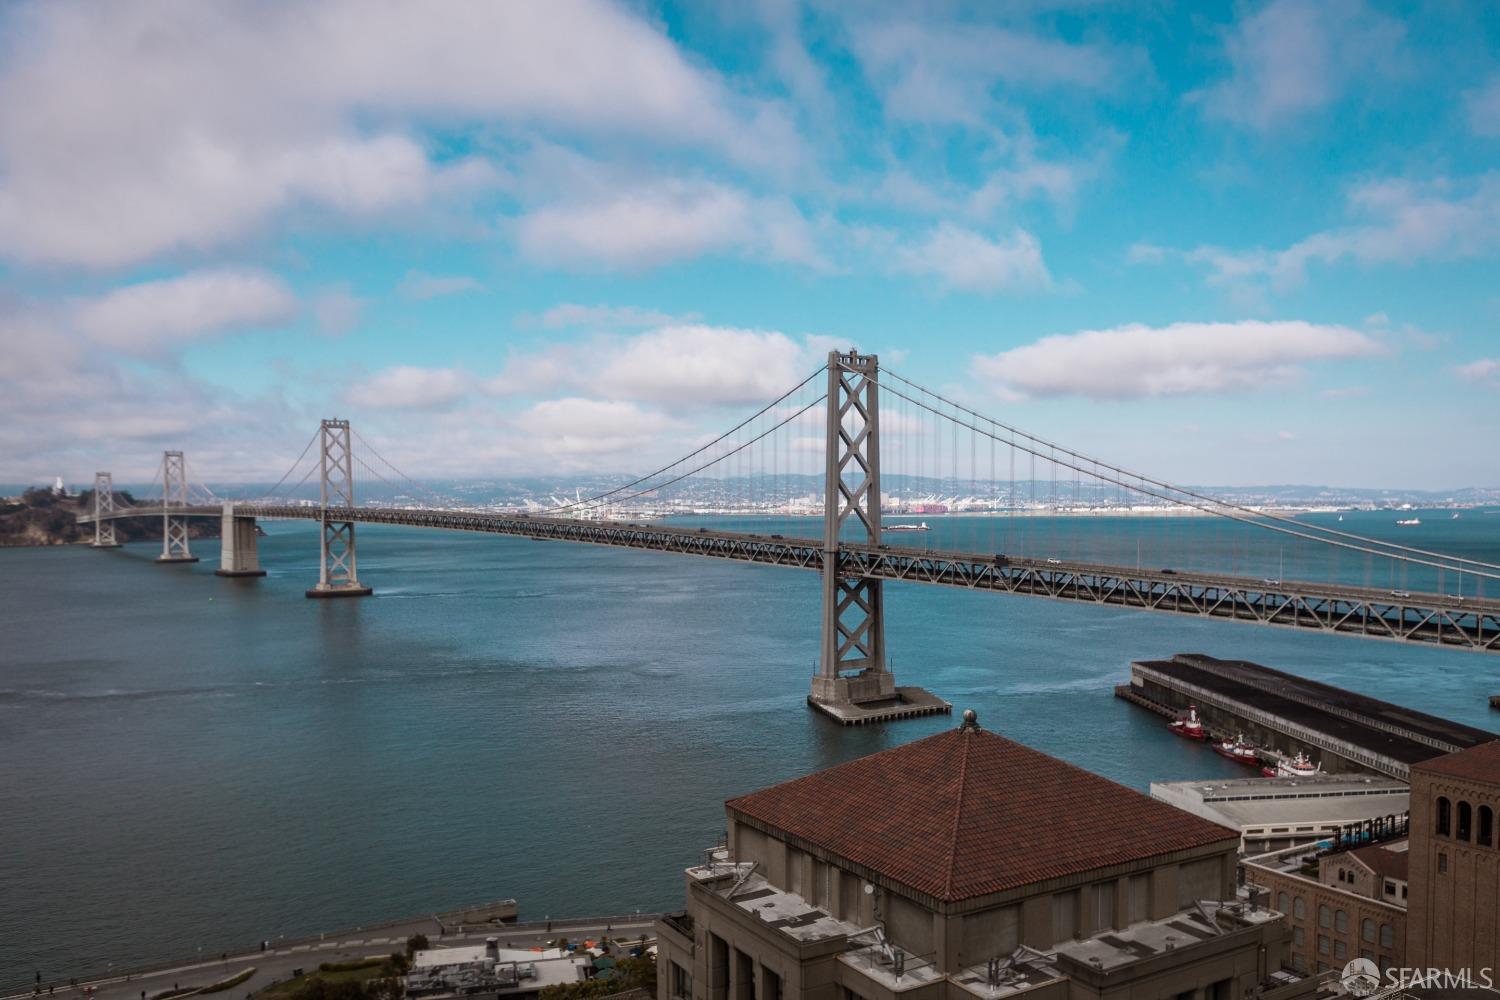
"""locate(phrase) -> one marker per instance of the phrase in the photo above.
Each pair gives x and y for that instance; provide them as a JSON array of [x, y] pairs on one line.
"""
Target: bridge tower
[[104, 504], [854, 683], [174, 493], [336, 571]]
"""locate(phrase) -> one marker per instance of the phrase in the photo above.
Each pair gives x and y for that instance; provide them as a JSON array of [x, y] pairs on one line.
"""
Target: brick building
[[1336, 903], [1455, 861], [964, 866]]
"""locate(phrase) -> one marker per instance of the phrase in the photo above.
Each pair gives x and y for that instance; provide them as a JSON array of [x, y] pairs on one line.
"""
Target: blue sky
[[1233, 244]]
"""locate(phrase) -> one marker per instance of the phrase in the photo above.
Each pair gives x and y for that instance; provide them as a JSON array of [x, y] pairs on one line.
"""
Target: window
[[1465, 820], [1064, 915], [1442, 863], [1299, 963], [1341, 922], [1486, 836], [1343, 875], [1322, 944], [1390, 887], [682, 981], [1367, 930], [1367, 954], [1283, 902], [1299, 936], [1299, 908], [1325, 915], [1444, 817], [1104, 906], [1340, 950], [1387, 936]]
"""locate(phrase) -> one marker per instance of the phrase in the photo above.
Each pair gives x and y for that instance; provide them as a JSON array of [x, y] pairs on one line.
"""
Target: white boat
[[907, 527], [1297, 767], [1409, 521]]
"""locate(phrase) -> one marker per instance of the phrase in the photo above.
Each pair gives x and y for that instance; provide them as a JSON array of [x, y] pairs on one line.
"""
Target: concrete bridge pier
[[239, 546]]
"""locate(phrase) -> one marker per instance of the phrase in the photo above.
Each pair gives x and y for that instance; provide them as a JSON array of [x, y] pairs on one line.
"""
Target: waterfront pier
[[1343, 730]]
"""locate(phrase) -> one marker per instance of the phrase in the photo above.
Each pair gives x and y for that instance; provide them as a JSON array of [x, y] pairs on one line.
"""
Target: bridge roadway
[[1433, 619]]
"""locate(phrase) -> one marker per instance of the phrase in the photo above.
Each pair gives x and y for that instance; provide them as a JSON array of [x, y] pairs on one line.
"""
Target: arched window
[[1283, 902], [1341, 922], [1444, 817], [1324, 915], [1486, 836], [1299, 908], [1367, 930], [1465, 820], [1387, 936]]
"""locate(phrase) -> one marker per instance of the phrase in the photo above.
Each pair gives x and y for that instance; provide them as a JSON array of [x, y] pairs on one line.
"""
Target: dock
[[1344, 731]]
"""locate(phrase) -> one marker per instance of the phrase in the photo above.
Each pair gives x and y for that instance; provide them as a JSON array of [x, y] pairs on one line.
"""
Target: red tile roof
[[966, 813], [1481, 763], [1383, 862]]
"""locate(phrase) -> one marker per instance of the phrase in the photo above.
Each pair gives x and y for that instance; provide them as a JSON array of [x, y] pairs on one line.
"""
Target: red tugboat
[[1238, 750], [1189, 725]]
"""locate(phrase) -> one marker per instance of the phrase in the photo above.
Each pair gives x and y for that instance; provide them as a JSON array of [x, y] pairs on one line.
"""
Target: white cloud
[[147, 317], [570, 314], [420, 286], [1397, 222], [1483, 106], [577, 426], [408, 387], [663, 222], [705, 364], [215, 122], [930, 71], [1182, 358], [1291, 58], [337, 310], [964, 260], [1484, 371]]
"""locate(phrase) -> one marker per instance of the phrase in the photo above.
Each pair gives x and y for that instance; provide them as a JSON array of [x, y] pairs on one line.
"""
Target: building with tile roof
[[968, 865]]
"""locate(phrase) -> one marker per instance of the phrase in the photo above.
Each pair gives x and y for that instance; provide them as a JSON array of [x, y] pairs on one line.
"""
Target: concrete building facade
[[966, 865], [1455, 862]]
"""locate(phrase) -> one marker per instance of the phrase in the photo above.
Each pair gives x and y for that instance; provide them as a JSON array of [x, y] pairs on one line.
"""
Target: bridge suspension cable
[[1071, 459], [612, 496]]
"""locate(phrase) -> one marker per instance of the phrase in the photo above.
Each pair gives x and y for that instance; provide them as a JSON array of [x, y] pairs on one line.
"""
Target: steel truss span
[[1359, 611]]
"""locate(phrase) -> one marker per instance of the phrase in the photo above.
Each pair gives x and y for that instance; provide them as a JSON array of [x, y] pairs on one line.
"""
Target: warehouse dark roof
[[967, 813]]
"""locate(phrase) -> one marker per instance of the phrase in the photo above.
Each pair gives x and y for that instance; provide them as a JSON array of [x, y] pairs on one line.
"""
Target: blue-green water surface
[[188, 761]]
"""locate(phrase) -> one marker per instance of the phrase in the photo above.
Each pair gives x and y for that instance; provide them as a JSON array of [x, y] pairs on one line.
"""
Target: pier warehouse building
[[966, 865]]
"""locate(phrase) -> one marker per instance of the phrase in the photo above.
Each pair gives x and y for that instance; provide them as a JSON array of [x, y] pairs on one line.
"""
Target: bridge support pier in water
[[174, 493], [336, 567], [854, 684], [104, 504], [239, 546]]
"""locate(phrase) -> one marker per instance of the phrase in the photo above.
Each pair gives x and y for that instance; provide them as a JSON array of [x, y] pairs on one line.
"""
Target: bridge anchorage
[[174, 494], [336, 569], [854, 683], [104, 505]]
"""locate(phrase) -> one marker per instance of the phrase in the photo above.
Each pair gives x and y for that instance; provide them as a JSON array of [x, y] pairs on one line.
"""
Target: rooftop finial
[[971, 720]]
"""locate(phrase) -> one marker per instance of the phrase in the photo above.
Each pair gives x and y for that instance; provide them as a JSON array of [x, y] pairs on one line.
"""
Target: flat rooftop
[[1247, 802], [784, 911], [1344, 715]]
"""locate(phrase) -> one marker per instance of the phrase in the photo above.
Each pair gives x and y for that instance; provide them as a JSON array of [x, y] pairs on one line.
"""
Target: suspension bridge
[[816, 452]]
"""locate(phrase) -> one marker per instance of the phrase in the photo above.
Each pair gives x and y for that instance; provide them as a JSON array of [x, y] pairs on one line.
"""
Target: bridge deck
[[1433, 619]]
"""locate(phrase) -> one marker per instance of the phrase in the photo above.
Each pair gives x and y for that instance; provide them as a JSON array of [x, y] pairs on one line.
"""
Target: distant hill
[[40, 517]]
